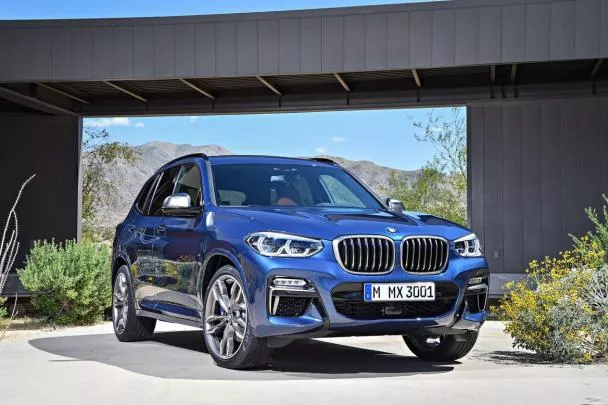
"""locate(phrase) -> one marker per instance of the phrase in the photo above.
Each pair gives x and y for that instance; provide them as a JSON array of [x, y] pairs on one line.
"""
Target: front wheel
[[228, 332], [442, 347]]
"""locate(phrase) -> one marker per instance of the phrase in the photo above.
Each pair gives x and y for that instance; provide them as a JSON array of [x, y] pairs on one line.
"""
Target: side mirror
[[180, 205], [395, 205]]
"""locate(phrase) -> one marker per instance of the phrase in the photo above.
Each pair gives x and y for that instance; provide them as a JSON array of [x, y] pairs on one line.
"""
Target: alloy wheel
[[225, 317], [120, 303]]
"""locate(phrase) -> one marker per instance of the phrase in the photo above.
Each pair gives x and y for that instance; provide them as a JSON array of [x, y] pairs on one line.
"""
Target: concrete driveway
[[89, 366]]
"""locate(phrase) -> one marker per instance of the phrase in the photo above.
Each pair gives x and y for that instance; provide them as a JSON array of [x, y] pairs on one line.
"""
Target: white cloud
[[139, 124], [321, 150], [193, 118], [108, 122], [338, 139]]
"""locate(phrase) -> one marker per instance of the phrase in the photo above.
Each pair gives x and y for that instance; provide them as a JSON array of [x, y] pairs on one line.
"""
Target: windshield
[[267, 184]]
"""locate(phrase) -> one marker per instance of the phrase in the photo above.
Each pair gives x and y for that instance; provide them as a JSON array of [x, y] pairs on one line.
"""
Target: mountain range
[[129, 178]]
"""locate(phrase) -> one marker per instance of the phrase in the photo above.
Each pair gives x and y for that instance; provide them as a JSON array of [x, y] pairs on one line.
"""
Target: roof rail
[[192, 155], [325, 160]]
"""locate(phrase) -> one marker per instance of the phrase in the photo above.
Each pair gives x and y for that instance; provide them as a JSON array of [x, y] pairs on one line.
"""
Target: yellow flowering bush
[[560, 311]]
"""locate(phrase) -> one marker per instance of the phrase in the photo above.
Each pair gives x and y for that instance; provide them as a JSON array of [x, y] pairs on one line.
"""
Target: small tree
[[98, 154], [441, 187]]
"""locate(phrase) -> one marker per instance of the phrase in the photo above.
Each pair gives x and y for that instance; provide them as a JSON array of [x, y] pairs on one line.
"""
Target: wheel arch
[[213, 262], [119, 260]]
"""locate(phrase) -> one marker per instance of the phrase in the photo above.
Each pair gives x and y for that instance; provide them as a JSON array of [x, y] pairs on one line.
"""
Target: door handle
[[161, 229]]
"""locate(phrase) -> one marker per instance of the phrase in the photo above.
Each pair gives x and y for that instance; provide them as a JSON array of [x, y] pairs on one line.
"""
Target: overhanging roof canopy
[[396, 55]]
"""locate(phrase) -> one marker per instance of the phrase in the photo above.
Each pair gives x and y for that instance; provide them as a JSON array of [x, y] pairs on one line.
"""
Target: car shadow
[[514, 357], [182, 355]]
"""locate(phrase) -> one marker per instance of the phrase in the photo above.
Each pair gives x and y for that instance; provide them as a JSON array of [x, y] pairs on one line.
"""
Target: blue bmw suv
[[258, 251]]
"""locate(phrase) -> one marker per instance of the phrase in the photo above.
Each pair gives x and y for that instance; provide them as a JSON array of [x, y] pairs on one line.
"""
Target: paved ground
[[89, 366]]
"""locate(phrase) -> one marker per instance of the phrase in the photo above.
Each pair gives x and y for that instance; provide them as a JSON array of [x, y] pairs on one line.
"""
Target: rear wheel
[[228, 332], [128, 327], [442, 347]]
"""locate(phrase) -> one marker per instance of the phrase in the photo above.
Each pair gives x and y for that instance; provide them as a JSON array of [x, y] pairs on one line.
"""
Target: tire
[[220, 325], [449, 348], [128, 327]]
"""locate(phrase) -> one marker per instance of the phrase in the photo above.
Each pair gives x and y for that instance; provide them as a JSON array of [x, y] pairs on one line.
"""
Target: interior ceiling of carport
[[96, 97]]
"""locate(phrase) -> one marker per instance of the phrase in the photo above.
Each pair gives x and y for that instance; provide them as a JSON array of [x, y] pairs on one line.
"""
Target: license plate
[[423, 291]]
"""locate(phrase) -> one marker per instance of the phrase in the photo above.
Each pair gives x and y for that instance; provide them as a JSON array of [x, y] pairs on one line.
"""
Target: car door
[[140, 241], [180, 241], [151, 281]]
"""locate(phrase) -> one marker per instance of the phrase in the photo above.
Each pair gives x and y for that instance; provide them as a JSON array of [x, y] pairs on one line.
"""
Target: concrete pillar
[[49, 146]]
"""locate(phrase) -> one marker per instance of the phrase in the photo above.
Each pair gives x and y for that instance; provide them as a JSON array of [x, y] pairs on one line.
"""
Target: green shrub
[[70, 282], [560, 311], [3, 310]]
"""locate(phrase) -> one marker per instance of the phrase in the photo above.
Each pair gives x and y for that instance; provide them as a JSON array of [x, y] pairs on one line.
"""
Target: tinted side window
[[144, 194], [163, 190], [189, 182]]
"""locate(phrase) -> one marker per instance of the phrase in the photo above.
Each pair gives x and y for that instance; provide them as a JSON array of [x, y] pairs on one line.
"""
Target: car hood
[[330, 223]]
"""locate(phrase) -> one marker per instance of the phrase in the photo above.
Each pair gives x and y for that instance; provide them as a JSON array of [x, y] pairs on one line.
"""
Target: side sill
[[167, 318]]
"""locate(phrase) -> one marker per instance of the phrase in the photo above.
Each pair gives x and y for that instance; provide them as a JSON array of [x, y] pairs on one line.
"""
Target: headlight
[[468, 246], [284, 245]]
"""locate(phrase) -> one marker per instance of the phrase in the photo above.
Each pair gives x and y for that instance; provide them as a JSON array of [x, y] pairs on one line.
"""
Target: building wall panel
[[443, 45], [490, 35], [354, 43], [512, 188], [531, 187], [205, 49], [247, 48], [398, 40], [351, 39], [102, 51], [289, 45], [82, 54], [268, 46], [421, 39], [588, 17], [311, 45], [562, 30], [225, 49], [185, 50], [513, 38], [333, 44], [143, 51], [466, 37], [62, 53], [534, 166], [164, 51], [122, 53], [538, 31], [376, 41]]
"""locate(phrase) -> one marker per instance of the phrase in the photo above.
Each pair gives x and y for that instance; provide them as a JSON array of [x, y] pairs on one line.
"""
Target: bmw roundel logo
[[391, 230]]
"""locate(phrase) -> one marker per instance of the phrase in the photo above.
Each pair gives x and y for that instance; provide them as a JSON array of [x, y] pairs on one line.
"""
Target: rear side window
[[163, 190], [144, 194]]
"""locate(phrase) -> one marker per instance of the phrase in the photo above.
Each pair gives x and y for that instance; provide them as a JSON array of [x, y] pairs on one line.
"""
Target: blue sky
[[384, 136], [39, 9]]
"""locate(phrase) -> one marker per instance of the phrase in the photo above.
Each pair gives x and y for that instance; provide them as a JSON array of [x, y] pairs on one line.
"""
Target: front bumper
[[323, 317]]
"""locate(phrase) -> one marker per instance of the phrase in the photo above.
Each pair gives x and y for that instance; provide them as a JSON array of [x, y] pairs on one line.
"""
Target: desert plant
[[70, 282], [9, 244], [560, 311], [3, 310]]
